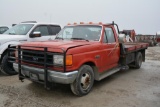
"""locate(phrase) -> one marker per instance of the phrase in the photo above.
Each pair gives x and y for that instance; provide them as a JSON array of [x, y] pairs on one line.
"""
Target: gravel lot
[[131, 88]]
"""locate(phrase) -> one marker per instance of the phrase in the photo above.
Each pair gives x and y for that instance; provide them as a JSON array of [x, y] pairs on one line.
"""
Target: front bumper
[[53, 76]]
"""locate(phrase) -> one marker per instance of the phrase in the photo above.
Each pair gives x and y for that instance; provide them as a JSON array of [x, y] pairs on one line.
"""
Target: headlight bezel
[[58, 59]]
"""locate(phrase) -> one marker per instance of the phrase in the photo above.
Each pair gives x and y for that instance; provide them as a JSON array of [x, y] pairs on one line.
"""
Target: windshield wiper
[[11, 33], [59, 38], [79, 39]]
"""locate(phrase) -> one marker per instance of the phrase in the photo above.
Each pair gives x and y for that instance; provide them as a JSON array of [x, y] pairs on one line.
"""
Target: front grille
[[36, 57]]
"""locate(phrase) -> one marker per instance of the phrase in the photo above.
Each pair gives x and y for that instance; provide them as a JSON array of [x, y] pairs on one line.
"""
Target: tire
[[7, 67], [138, 61], [84, 81], [155, 42]]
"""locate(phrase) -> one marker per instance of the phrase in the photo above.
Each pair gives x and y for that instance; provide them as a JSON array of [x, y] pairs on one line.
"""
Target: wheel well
[[90, 63], [95, 69], [3, 55]]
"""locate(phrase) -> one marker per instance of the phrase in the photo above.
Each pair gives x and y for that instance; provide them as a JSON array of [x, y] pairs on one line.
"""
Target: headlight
[[58, 59]]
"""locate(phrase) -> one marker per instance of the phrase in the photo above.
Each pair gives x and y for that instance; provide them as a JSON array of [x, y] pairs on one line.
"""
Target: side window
[[43, 29], [110, 35], [55, 29]]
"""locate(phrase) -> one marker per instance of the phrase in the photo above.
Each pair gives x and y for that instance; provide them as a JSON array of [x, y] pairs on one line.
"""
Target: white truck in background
[[23, 32]]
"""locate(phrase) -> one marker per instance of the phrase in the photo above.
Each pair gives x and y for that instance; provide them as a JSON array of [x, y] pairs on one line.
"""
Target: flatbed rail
[[131, 47]]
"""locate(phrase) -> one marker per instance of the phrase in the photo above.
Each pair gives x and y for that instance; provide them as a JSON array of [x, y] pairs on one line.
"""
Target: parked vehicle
[[80, 54], [158, 36], [23, 32], [151, 39], [3, 29]]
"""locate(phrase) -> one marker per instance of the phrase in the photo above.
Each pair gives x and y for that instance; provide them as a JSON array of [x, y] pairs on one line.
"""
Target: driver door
[[111, 50]]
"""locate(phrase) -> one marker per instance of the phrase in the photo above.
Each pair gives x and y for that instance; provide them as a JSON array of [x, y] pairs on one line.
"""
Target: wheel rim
[[85, 81]]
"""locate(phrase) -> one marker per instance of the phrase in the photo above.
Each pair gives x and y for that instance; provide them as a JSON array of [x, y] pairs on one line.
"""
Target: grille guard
[[44, 50]]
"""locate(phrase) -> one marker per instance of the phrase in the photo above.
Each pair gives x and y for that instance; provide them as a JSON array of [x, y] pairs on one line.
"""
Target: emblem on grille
[[35, 59]]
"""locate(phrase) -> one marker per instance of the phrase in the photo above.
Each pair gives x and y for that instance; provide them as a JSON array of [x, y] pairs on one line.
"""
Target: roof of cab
[[89, 23], [38, 23]]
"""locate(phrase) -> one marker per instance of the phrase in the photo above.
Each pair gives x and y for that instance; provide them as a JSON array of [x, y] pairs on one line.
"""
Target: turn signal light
[[69, 60], [100, 23], [81, 22]]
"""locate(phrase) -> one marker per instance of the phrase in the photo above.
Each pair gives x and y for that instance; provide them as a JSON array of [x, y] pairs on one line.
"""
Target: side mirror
[[35, 34]]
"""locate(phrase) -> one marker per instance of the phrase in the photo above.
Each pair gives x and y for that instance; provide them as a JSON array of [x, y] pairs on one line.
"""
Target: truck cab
[[79, 55], [24, 32]]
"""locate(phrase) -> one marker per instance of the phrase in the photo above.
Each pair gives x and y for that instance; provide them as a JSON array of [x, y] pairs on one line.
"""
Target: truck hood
[[6, 38], [58, 44]]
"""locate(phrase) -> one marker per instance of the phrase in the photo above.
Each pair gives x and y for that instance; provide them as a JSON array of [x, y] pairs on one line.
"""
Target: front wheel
[[7, 67], [84, 81]]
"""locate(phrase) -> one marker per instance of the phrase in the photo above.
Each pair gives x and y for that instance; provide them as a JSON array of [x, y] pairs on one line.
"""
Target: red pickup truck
[[79, 55]]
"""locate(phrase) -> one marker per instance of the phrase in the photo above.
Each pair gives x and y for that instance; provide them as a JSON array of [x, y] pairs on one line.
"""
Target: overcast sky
[[141, 15]]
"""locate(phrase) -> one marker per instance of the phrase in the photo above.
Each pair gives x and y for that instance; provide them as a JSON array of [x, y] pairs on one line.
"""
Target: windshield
[[20, 29], [82, 32]]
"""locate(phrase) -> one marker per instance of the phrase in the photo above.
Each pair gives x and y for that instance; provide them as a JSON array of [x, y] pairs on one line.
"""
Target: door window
[[109, 35], [43, 30]]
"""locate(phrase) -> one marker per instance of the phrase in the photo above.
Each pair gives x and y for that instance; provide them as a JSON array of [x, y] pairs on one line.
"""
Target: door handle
[[49, 39], [116, 45]]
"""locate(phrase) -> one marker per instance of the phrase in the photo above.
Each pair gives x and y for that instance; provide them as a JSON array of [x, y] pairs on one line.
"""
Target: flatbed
[[134, 46]]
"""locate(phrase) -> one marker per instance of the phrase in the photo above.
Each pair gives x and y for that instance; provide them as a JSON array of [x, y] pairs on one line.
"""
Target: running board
[[108, 73]]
